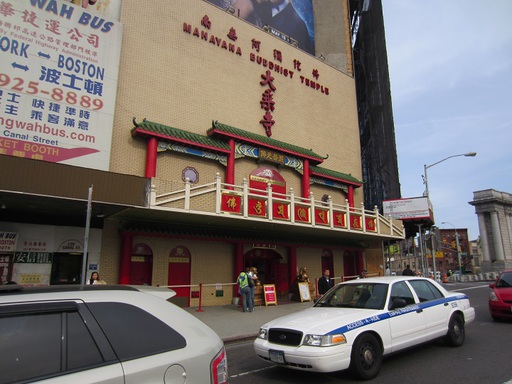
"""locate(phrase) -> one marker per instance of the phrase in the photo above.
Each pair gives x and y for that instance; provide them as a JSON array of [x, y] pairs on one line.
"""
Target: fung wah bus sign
[[58, 80]]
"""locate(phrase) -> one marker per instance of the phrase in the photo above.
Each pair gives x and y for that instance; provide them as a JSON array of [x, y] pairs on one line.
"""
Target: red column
[[230, 170], [125, 259], [305, 179], [151, 157], [351, 196]]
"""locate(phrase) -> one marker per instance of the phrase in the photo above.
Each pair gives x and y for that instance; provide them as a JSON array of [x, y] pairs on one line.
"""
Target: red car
[[500, 299]]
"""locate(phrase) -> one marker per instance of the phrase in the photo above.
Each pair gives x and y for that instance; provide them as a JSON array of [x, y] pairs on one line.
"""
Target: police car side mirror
[[397, 302]]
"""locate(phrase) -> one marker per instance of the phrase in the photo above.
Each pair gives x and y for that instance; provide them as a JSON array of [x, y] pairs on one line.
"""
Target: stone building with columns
[[494, 210]]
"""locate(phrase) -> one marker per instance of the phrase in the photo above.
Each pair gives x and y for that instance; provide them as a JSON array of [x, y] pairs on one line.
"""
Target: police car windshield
[[355, 295]]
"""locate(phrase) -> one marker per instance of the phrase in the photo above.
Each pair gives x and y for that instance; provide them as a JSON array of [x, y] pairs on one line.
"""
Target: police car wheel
[[456, 332], [366, 357]]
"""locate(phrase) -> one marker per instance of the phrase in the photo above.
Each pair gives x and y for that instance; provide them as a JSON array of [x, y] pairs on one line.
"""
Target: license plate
[[276, 357]]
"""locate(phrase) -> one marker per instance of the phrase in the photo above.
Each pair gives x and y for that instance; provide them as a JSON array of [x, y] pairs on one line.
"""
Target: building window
[[190, 173]]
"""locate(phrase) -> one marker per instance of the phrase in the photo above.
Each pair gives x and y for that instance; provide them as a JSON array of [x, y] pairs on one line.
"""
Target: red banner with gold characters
[[321, 216], [355, 222], [302, 213], [257, 207], [281, 211], [231, 203], [370, 224], [339, 219]]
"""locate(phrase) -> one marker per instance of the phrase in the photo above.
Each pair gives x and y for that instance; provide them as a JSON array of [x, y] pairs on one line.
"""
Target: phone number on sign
[[57, 94]]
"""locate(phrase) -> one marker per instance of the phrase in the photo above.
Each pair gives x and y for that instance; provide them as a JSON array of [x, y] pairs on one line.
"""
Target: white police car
[[104, 334], [358, 322]]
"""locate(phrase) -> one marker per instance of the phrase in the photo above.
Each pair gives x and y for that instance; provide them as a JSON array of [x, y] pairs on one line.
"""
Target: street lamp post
[[427, 195], [422, 250], [433, 246], [456, 244], [425, 167]]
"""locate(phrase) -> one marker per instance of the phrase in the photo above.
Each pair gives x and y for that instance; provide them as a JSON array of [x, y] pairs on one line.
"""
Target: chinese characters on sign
[[271, 67], [281, 211], [302, 213], [257, 207], [321, 216], [274, 157], [269, 292], [58, 80], [231, 203], [370, 224], [339, 219]]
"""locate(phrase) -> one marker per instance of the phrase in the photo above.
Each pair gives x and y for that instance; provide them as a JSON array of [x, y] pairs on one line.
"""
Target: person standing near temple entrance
[[325, 282], [244, 290]]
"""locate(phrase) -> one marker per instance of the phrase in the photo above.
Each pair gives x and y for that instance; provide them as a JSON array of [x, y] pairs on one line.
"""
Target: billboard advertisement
[[289, 20], [58, 82], [111, 9], [414, 208]]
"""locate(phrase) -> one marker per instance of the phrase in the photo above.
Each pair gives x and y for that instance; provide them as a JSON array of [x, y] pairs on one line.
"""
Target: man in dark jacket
[[325, 283], [407, 271]]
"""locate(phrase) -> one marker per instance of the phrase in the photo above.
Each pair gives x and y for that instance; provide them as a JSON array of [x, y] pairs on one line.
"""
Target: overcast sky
[[450, 64]]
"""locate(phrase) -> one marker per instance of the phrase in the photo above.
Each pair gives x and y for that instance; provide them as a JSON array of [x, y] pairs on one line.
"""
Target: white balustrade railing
[[339, 217]]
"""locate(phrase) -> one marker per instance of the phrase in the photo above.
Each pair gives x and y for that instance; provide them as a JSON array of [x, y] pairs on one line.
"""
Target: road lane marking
[[250, 372]]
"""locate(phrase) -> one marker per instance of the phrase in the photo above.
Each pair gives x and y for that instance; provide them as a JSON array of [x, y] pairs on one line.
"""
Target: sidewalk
[[232, 325]]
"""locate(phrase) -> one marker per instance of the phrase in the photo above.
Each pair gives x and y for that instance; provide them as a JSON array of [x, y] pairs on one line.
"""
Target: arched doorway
[[141, 266], [270, 269], [349, 264], [261, 177], [327, 262]]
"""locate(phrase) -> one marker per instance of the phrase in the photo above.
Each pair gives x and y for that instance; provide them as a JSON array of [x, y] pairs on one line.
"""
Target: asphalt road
[[484, 357]]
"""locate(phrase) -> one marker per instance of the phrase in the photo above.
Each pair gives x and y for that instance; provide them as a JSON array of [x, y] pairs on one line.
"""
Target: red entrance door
[[179, 275], [141, 270], [141, 266], [349, 264], [327, 262]]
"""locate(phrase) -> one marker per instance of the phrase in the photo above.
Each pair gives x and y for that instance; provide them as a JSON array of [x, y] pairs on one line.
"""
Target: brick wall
[[185, 82]]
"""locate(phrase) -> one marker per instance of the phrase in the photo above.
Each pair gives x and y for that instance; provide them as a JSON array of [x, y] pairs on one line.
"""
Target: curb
[[239, 339]]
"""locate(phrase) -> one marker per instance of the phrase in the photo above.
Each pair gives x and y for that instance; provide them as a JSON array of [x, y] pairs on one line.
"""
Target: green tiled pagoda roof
[[149, 128], [334, 175], [226, 130]]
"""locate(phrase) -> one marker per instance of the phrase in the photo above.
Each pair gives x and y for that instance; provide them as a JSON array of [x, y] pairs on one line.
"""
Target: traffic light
[[454, 245]]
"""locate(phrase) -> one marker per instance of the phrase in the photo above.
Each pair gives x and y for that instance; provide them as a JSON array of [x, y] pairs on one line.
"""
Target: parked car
[[500, 298], [358, 322], [104, 334]]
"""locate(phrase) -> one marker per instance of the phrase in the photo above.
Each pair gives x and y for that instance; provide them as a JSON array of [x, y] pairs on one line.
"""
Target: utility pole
[[433, 244], [421, 249], [458, 250], [86, 237]]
